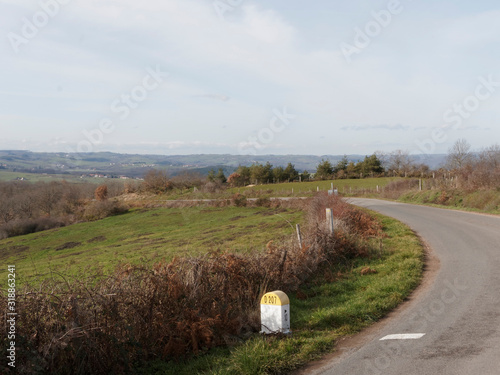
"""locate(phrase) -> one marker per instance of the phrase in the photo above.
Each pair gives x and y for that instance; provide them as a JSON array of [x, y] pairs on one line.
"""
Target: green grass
[[331, 310], [300, 189], [35, 177], [310, 187], [145, 236], [478, 201]]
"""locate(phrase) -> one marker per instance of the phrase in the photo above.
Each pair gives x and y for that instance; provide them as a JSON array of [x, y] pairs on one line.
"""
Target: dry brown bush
[[101, 193], [21, 227], [156, 182], [101, 209], [239, 200], [130, 188], [212, 187], [262, 202], [395, 189]]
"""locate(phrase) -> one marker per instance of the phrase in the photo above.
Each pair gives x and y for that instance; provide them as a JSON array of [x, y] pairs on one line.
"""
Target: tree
[[211, 175], [324, 170], [49, 195], [235, 179], [26, 204], [383, 157], [351, 170], [279, 174], [261, 174], [305, 175], [7, 212], [370, 165], [245, 174], [459, 155], [491, 156], [400, 163], [291, 173], [342, 164], [156, 182], [221, 177]]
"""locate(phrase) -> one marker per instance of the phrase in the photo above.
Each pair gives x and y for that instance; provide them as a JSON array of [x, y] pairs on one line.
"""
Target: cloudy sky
[[246, 76]]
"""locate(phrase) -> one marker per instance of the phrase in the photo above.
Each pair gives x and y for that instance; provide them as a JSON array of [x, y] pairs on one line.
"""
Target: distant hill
[[114, 164]]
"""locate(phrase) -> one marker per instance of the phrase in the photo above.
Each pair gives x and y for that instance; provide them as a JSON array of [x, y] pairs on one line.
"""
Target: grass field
[[322, 312], [310, 187], [147, 236], [35, 177]]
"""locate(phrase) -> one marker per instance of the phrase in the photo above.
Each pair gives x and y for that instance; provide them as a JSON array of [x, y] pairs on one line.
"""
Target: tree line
[[398, 163], [474, 170]]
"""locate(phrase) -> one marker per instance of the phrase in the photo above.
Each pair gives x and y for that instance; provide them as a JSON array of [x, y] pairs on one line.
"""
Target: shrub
[[235, 179], [27, 226], [101, 209], [239, 200], [212, 187], [156, 182], [130, 188], [263, 202], [101, 193]]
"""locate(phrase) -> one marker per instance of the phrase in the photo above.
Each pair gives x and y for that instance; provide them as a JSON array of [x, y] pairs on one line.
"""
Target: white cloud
[[97, 50], [473, 29]]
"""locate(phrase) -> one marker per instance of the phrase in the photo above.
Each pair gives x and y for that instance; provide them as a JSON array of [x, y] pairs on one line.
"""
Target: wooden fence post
[[329, 219], [299, 236]]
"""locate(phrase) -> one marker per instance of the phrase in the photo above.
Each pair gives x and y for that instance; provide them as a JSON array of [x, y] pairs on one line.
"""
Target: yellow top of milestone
[[276, 298]]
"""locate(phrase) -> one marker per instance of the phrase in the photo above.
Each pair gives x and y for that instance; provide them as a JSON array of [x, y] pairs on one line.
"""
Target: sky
[[248, 77]]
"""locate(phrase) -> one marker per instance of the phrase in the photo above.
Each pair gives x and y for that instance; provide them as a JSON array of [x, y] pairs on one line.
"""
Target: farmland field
[[35, 177], [310, 187], [145, 236]]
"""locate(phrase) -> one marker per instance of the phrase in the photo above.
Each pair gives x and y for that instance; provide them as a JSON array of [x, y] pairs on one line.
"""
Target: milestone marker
[[275, 313]]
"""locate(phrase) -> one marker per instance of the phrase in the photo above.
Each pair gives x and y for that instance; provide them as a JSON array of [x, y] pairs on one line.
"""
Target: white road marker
[[403, 336]]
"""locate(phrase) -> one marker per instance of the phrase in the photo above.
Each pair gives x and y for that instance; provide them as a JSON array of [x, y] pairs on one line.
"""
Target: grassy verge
[[147, 236], [487, 201], [337, 303]]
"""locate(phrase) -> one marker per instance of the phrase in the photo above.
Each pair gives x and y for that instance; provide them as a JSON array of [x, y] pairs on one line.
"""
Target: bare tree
[[400, 163], [491, 156], [383, 157], [156, 181], [7, 211], [459, 155], [49, 196], [25, 204]]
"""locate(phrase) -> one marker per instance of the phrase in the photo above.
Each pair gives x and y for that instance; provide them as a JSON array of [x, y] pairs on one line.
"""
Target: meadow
[[285, 189], [309, 188], [36, 177], [146, 236]]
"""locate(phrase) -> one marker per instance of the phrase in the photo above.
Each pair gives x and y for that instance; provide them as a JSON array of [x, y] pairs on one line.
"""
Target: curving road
[[458, 312]]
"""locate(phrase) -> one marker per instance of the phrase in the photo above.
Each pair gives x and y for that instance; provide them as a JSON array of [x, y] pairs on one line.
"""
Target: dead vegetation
[[33, 207]]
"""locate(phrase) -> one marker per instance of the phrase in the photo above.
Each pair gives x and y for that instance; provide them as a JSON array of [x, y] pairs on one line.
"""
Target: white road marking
[[403, 336]]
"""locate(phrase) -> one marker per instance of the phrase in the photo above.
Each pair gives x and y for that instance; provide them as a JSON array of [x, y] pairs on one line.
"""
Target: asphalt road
[[459, 311]]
